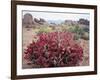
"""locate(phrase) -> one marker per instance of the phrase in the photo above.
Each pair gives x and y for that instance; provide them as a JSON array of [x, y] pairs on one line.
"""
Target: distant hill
[[30, 21]]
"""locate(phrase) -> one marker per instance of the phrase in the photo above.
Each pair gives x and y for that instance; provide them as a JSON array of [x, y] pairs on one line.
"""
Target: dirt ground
[[85, 45]]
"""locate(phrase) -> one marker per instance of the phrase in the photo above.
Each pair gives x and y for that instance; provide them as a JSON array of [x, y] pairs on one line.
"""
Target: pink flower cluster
[[55, 49]]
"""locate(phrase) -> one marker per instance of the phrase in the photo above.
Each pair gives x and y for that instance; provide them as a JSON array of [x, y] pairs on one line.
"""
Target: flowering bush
[[55, 49]]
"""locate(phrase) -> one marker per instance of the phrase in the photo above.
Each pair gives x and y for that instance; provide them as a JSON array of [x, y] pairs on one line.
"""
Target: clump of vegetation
[[80, 32], [55, 49], [85, 36], [86, 29], [44, 29]]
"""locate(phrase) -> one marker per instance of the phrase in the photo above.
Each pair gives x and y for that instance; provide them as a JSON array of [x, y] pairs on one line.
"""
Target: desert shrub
[[76, 36], [80, 32], [64, 27], [85, 36], [55, 49], [86, 29], [44, 29], [77, 30]]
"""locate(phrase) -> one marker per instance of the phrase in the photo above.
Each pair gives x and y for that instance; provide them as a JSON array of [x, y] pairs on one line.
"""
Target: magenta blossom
[[55, 49]]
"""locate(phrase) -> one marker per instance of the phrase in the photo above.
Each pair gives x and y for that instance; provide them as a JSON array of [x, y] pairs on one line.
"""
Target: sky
[[58, 15]]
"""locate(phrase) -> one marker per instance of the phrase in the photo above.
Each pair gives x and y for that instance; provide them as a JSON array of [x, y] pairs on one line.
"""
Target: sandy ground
[[28, 37], [85, 45]]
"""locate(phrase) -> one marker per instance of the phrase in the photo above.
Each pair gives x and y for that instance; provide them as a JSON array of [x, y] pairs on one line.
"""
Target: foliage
[[86, 29], [54, 49], [77, 30], [80, 32], [85, 36], [44, 29]]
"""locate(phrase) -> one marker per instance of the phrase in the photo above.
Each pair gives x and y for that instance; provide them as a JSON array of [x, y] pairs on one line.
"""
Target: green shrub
[[85, 36], [86, 29], [77, 30], [76, 37]]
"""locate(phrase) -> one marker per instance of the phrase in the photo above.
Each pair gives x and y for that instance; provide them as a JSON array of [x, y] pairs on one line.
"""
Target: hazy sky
[[58, 16]]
